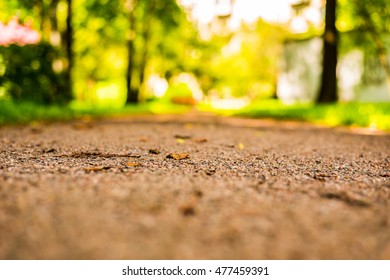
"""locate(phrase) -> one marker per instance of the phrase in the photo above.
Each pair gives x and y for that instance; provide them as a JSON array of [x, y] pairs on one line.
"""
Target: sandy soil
[[193, 187]]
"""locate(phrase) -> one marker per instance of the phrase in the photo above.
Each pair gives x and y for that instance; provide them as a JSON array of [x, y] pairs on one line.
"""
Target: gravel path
[[193, 187]]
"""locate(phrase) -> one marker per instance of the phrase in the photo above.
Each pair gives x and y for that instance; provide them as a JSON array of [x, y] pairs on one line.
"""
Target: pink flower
[[15, 33]]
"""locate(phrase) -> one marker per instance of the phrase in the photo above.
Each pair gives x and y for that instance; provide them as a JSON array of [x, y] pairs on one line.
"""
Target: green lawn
[[24, 113], [374, 115]]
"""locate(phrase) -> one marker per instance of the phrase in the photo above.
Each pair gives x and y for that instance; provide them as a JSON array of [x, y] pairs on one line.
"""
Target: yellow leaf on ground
[[240, 146], [178, 156], [133, 164], [199, 140]]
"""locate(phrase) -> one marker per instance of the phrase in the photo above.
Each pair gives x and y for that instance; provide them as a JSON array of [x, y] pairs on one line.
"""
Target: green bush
[[28, 74]]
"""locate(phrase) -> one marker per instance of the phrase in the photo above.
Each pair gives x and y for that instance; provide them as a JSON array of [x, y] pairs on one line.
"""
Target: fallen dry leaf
[[133, 164], [154, 151], [180, 141], [49, 150], [96, 168], [82, 154], [178, 156], [187, 210], [197, 193], [199, 140], [240, 146], [178, 136]]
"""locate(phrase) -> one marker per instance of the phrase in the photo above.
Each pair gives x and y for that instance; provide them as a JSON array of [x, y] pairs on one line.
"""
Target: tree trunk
[[144, 56], [132, 94], [69, 51], [328, 90], [55, 38]]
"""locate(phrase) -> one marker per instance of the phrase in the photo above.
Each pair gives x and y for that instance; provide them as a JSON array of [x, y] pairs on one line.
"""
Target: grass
[[24, 113], [21, 113], [373, 115]]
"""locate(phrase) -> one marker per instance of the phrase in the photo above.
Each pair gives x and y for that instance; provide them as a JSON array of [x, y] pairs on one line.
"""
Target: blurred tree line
[[88, 42]]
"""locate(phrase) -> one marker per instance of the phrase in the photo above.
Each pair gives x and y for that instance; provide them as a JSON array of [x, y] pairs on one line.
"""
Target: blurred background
[[253, 58]]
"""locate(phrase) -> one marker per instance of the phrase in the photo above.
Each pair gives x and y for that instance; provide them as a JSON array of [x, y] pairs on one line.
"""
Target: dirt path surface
[[193, 187]]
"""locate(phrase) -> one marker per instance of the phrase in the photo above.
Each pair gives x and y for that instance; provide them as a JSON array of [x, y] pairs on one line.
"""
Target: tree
[[132, 94], [69, 49], [328, 89], [149, 22]]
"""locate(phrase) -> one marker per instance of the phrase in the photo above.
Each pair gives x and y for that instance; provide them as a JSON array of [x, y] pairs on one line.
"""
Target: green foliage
[[361, 19], [103, 30], [29, 74], [248, 63], [100, 42], [167, 12], [11, 8], [374, 115], [37, 73], [352, 14]]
